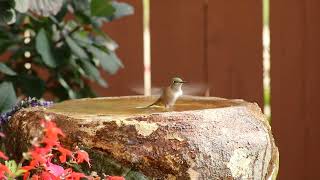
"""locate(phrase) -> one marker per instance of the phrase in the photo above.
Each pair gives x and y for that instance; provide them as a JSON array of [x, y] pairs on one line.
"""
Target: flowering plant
[[47, 159], [27, 102]]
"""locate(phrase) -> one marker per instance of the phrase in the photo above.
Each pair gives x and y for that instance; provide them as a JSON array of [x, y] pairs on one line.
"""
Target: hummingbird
[[170, 94]]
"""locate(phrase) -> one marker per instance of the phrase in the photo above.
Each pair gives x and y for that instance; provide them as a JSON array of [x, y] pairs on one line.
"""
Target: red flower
[[75, 176], [40, 166], [26, 175], [115, 178], [50, 142], [35, 177], [52, 132], [3, 156], [27, 168], [4, 169], [40, 151], [37, 158], [64, 153], [45, 175], [82, 156]]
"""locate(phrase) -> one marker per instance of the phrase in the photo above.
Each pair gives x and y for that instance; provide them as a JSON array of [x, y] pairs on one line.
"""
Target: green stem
[[69, 34]]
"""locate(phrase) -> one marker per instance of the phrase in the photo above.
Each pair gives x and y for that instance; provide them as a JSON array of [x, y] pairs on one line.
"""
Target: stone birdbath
[[200, 138]]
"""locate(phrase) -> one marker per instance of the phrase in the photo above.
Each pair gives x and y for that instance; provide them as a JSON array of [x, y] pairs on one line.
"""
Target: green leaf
[[45, 7], [83, 17], [101, 8], [14, 168], [6, 70], [82, 38], [64, 84], [106, 41], [12, 165], [93, 73], [63, 54], [83, 6], [122, 9], [31, 85], [19, 172], [7, 96], [7, 16], [86, 91], [22, 5], [44, 49], [76, 49], [109, 62], [7, 13]]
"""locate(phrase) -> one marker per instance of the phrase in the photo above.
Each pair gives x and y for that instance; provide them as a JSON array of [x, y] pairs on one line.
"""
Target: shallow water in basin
[[127, 106]]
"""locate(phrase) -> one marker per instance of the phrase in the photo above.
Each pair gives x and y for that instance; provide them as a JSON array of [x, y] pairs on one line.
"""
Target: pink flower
[[3, 156], [54, 169], [2, 135]]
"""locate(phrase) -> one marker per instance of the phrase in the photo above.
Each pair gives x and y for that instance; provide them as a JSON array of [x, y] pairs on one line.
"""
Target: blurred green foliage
[[266, 12], [55, 47]]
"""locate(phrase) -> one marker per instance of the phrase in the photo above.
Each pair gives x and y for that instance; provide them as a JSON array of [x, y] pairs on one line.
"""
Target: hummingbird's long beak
[[184, 82]]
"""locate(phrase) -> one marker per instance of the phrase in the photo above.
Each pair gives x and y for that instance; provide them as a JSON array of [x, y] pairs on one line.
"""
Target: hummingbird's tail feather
[[141, 107], [157, 102]]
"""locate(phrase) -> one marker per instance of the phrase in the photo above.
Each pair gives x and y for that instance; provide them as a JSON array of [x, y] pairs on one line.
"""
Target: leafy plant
[[55, 47]]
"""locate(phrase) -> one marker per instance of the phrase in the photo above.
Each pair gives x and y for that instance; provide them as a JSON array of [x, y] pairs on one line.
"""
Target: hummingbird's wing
[[194, 89], [188, 89], [140, 90]]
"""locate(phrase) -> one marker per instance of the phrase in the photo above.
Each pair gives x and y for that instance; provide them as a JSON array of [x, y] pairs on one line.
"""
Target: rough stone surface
[[202, 138]]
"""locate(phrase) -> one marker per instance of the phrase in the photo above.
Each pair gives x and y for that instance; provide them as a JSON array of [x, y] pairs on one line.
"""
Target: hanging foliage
[[62, 39]]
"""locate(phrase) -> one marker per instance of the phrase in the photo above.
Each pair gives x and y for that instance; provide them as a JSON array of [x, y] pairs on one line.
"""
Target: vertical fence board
[[128, 33], [312, 94], [177, 41], [295, 86], [234, 49]]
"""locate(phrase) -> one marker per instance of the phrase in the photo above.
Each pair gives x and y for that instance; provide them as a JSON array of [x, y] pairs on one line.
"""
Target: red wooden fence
[[295, 85], [235, 49], [207, 43], [220, 43], [177, 41]]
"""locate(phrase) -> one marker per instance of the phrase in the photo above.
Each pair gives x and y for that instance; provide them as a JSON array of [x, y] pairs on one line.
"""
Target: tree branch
[[69, 34]]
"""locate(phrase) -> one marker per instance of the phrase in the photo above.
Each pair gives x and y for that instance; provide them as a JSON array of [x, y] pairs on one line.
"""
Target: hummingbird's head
[[177, 80], [177, 83]]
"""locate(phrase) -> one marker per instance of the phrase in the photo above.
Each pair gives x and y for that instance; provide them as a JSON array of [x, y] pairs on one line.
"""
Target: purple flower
[[28, 102]]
